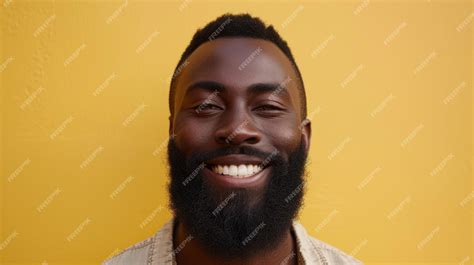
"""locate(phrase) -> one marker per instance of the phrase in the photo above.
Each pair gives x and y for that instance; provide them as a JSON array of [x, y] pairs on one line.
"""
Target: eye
[[206, 107], [268, 107]]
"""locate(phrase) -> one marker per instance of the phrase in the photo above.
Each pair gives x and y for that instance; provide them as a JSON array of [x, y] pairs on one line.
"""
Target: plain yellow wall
[[84, 90]]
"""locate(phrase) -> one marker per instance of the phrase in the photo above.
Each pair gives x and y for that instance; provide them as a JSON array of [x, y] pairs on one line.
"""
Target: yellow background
[[87, 84]]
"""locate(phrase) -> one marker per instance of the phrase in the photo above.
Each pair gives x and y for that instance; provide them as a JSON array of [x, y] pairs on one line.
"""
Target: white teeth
[[255, 168], [233, 170], [237, 171], [249, 169], [242, 170]]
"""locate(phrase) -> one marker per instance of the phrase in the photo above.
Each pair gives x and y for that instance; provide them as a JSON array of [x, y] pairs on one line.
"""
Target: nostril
[[252, 140], [237, 135], [226, 140]]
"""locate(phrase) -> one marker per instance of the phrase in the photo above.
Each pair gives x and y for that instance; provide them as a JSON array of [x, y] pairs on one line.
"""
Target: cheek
[[285, 136], [192, 134]]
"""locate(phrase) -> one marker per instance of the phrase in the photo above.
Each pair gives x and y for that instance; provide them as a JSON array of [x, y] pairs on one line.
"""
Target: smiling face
[[238, 91], [239, 143]]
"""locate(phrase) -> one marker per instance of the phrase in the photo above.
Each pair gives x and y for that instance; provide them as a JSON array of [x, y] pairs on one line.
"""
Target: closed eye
[[206, 106], [268, 107]]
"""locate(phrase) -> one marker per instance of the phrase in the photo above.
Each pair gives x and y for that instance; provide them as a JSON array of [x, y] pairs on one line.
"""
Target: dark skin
[[260, 118]]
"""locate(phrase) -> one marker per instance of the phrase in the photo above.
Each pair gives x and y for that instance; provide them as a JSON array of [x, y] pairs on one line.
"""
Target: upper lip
[[235, 160]]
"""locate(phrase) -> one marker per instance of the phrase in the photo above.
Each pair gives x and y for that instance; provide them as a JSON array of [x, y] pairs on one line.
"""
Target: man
[[239, 139]]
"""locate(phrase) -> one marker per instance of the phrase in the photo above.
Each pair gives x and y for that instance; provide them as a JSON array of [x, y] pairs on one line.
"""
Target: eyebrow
[[210, 86], [258, 88], [274, 88]]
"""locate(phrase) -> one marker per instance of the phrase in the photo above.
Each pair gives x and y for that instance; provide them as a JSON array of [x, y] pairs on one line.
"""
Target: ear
[[306, 133], [170, 129]]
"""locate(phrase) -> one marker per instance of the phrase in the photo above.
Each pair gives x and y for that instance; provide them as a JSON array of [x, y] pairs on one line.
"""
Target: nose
[[237, 129]]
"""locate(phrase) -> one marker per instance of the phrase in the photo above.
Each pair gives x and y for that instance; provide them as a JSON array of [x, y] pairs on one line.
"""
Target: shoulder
[[318, 252], [135, 254], [149, 251], [334, 255]]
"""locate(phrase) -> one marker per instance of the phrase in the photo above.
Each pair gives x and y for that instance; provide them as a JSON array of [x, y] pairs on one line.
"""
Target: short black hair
[[240, 25]]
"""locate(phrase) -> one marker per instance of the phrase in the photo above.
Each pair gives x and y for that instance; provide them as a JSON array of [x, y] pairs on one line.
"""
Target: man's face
[[237, 110]]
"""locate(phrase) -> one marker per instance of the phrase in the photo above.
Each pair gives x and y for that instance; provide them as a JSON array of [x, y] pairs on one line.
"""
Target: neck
[[188, 251]]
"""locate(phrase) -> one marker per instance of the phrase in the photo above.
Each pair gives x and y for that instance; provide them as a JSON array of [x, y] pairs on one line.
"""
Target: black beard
[[229, 225]]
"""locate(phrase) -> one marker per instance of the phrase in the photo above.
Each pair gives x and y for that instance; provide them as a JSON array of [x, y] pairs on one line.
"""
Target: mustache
[[202, 157]]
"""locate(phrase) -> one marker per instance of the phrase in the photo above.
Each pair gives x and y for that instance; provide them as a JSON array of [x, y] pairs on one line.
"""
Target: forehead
[[237, 63]]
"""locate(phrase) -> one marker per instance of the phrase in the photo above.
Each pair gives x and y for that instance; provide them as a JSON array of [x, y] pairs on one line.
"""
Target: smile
[[237, 171]]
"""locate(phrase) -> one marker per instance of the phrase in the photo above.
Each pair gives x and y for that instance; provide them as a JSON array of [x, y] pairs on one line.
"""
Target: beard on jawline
[[228, 224]]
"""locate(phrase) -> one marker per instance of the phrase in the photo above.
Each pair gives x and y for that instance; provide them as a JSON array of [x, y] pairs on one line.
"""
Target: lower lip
[[253, 181]]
